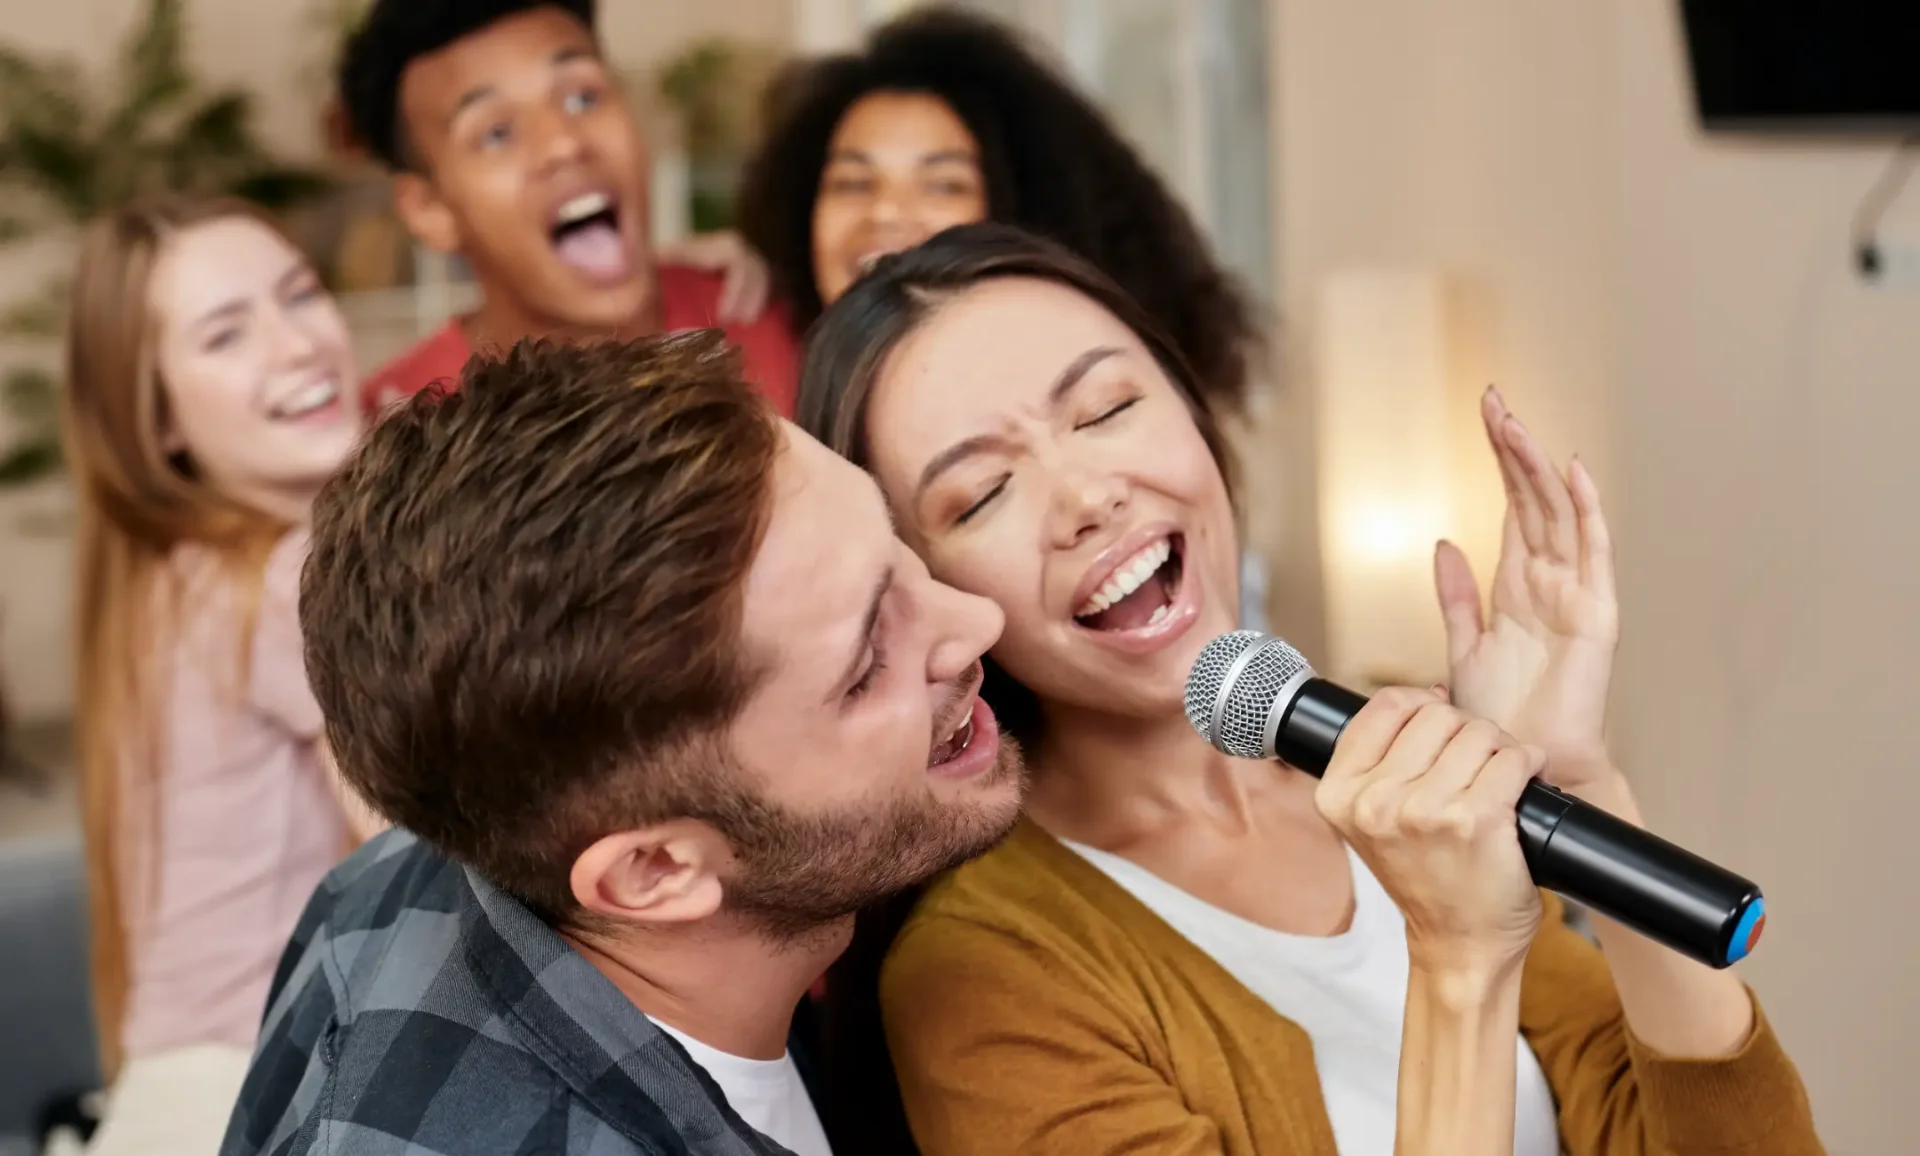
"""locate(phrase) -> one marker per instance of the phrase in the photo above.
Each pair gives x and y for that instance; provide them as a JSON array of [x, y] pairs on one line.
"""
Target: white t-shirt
[[1347, 991], [768, 1094]]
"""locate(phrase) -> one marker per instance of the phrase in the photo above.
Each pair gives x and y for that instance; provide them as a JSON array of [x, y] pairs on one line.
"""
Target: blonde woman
[[211, 391]]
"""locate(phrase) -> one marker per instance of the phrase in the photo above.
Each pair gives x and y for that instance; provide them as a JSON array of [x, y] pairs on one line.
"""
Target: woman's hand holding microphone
[[1425, 794]]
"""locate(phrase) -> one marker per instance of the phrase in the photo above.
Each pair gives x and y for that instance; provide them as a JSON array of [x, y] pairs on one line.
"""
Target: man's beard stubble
[[795, 874]]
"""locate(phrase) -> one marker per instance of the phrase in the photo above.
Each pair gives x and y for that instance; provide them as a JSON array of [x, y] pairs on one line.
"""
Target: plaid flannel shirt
[[420, 1011]]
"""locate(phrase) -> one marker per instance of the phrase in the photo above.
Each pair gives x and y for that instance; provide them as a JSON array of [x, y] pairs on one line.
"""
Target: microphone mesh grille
[[1249, 699], [1209, 671]]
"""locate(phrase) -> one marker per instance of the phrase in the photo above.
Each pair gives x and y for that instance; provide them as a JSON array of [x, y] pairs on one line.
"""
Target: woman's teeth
[[1128, 578], [308, 399]]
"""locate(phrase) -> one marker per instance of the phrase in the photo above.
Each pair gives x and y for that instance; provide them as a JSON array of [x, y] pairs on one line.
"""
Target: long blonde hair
[[137, 503]]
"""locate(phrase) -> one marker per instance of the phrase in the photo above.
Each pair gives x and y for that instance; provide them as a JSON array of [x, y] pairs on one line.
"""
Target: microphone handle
[[1626, 873]]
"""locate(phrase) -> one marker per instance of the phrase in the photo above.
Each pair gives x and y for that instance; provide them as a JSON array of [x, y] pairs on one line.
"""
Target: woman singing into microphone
[[1179, 953]]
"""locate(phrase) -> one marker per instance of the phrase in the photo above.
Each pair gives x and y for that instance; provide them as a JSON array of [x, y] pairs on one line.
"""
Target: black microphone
[[1253, 697]]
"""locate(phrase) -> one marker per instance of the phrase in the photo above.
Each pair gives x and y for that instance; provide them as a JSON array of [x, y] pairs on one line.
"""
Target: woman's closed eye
[[1108, 414], [304, 291], [981, 503]]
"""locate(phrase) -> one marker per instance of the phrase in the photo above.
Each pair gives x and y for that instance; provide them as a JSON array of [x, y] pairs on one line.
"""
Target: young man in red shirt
[[512, 146]]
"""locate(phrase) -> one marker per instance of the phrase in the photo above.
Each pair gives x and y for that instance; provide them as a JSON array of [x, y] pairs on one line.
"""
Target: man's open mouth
[[956, 742], [586, 235]]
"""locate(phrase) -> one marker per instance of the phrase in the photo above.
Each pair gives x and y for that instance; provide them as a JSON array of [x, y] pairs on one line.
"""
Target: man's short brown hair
[[522, 607]]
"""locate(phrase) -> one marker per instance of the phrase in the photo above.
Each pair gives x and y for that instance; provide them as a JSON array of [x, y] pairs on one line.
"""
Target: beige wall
[[1680, 311], [270, 47], [1764, 419]]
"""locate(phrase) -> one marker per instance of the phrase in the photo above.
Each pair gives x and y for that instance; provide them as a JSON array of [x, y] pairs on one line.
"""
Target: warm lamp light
[[1386, 533], [1384, 405]]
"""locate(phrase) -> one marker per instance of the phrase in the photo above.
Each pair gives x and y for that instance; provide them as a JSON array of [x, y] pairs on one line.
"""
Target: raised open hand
[[1541, 666]]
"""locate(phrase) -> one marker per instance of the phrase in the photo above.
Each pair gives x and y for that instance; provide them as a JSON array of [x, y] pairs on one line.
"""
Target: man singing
[[512, 145], [656, 700]]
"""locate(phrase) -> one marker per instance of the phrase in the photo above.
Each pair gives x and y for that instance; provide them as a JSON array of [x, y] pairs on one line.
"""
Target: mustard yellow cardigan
[[1034, 1006]]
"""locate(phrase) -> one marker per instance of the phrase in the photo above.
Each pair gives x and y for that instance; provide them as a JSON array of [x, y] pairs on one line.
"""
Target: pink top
[[246, 820]]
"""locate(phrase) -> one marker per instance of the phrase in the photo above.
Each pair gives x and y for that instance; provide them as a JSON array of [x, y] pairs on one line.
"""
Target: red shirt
[[688, 299]]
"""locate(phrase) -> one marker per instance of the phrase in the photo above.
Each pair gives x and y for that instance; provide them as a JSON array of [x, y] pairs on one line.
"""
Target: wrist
[[1457, 1062], [1463, 980], [1609, 790]]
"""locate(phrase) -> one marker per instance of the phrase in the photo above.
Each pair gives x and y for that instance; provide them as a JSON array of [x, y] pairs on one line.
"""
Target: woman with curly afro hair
[[946, 119]]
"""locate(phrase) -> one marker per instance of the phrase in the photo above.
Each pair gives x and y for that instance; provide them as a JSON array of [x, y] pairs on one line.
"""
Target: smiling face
[[1036, 453], [255, 363], [871, 760], [900, 168], [533, 169]]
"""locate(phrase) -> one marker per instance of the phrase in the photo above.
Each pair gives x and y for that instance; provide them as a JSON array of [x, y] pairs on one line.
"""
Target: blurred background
[[1654, 252]]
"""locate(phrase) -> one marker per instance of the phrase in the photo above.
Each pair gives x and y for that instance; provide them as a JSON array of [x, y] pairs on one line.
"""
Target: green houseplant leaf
[[62, 169], [31, 397], [32, 401], [49, 94], [153, 65], [282, 187], [29, 461], [35, 318]]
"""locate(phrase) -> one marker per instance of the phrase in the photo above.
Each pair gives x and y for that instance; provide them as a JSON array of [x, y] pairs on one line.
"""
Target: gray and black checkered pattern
[[420, 1011]]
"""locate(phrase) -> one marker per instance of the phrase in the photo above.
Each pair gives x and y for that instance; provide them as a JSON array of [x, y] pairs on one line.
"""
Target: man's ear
[[668, 873], [424, 213]]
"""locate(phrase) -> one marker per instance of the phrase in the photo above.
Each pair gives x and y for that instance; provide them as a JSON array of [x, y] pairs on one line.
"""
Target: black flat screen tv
[[1804, 66]]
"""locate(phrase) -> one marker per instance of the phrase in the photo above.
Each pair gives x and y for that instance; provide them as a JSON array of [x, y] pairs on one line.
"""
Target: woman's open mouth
[[1140, 592], [1145, 601]]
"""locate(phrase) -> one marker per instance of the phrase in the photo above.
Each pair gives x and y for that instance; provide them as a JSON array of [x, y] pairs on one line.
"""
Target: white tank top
[[1347, 991]]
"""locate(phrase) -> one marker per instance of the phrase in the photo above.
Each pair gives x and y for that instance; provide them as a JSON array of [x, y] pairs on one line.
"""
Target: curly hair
[[395, 33], [1053, 165]]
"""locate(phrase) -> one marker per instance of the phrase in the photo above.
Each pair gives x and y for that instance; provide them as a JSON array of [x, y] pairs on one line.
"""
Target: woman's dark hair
[[847, 352], [1053, 165]]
